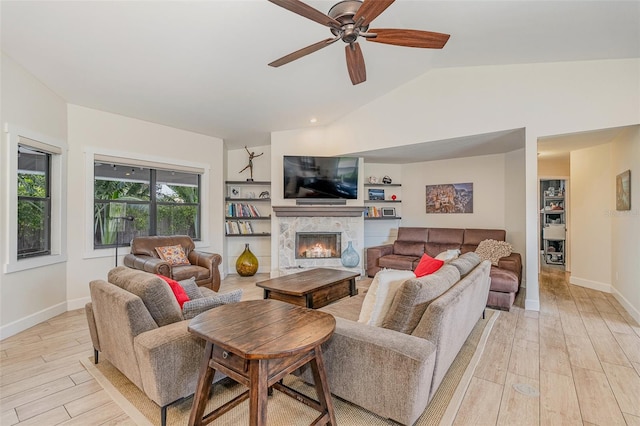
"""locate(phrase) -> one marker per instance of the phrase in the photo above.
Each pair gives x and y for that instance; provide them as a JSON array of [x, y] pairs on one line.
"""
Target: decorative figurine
[[386, 180], [393, 197], [249, 166]]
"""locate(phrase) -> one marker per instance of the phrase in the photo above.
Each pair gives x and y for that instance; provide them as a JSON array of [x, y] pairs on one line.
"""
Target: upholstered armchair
[[202, 266]]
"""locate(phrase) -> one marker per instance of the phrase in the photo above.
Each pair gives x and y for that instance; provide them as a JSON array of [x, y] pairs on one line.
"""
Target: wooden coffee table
[[313, 288], [257, 343]]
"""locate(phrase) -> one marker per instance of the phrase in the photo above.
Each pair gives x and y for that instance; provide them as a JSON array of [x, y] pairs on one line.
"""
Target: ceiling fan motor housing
[[344, 12]]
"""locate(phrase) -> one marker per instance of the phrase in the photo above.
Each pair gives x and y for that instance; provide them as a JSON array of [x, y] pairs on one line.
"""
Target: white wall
[[31, 296], [515, 203], [545, 99], [236, 160], [625, 225], [92, 130], [553, 167], [591, 194]]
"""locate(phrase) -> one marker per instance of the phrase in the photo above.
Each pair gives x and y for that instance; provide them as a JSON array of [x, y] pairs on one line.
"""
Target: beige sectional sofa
[[413, 242], [395, 374]]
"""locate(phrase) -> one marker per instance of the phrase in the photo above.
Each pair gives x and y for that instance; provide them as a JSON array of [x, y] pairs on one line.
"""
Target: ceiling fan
[[350, 19]]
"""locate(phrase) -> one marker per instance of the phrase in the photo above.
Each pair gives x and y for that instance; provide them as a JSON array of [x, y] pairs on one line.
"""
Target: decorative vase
[[350, 257], [247, 263]]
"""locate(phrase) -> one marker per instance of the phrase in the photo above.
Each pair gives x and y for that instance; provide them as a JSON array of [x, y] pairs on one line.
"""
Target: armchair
[[203, 266]]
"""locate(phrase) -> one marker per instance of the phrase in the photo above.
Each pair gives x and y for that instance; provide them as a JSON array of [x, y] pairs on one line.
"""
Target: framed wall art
[[623, 191], [450, 198], [376, 194]]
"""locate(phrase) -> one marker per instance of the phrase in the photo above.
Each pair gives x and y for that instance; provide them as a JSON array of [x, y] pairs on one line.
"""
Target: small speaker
[[321, 201]]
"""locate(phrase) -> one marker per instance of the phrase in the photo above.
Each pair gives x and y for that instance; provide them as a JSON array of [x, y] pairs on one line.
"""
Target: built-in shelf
[[383, 218], [382, 201], [306, 211], [246, 199], [248, 218], [247, 182], [382, 184]]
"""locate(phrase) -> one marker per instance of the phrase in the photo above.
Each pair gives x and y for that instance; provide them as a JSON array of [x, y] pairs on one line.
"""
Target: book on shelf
[[372, 211], [238, 227], [242, 210]]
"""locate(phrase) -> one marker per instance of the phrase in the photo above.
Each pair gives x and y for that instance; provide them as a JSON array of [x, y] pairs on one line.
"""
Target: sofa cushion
[[195, 307], [448, 255], [503, 281], [380, 295], [493, 250], [394, 261], [465, 263], [415, 295], [408, 248], [155, 293], [428, 265]]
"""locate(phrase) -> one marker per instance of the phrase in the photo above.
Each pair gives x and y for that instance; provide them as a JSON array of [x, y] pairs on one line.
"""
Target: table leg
[[352, 287], [202, 389], [258, 390], [322, 385]]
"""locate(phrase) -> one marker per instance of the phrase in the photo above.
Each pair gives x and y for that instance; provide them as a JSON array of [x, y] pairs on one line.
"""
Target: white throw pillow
[[380, 295], [448, 255]]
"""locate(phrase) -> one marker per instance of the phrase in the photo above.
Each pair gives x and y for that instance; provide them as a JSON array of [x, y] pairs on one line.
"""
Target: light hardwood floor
[[577, 361]]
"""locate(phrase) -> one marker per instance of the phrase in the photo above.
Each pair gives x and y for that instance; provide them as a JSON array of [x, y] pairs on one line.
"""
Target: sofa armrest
[[375, 253], [211, 261], [512, 263], [381, 370], [150, 264], [93, 330], [169, 360]]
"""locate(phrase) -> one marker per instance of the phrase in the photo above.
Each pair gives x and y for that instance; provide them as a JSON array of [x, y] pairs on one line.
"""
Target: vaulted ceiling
[[202, 65]]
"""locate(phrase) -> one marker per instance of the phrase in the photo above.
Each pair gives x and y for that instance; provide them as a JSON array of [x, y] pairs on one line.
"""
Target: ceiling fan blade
[[302, 52], [370, 10], [409, 38], [307, 11], [355, 63]]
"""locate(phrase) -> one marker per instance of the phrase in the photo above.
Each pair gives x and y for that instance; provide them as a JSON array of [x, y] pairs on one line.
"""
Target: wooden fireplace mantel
[[319, 211]]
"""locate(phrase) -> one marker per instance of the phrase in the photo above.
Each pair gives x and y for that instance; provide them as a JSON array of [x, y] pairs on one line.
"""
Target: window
[[34, 202], [36, 190], [134, 200]]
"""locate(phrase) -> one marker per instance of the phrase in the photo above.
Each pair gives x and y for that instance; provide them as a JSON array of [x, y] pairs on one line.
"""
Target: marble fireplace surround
[[348, 220]]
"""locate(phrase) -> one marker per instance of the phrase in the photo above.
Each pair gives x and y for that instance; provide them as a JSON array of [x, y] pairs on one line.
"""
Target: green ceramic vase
[[247, 263]]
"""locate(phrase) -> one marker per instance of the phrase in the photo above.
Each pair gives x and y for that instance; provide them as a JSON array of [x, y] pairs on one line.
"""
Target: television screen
[[320, 177]]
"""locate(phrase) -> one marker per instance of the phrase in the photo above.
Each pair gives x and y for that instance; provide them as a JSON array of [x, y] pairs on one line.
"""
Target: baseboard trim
[[29, 321], [632, 310], [532, 305], [77, 303], [593, 285]]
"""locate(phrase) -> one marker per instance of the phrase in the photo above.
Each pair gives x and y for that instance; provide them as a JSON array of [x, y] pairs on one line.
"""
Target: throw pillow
[[174, 255], [176, 288], [387, 284], [428, 265], [466, 263], [493, 250], [448, 255], [198, 306], [191, 288]]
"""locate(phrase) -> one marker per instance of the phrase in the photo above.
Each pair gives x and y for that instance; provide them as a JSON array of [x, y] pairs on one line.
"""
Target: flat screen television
[[320, 177]]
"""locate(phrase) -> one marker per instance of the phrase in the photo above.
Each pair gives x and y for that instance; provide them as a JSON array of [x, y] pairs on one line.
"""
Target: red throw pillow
[[176, 288], [428, 265]]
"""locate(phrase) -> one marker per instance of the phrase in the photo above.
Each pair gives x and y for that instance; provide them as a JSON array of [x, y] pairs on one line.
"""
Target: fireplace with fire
[[314, 245]]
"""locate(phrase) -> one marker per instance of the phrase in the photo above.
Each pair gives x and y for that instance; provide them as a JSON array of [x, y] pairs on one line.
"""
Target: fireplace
[[314, 245]]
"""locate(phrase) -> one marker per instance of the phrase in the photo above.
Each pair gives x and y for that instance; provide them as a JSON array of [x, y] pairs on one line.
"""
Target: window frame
[[96, 154], [14, 136]]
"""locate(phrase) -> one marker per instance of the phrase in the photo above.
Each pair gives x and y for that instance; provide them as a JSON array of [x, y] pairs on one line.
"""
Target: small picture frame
[[388, 212], [376, 194], [234, 192], [623, 191]]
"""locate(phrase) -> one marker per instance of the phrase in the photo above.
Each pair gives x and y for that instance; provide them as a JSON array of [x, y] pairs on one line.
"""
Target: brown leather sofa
[[412, 242], [203, 267]]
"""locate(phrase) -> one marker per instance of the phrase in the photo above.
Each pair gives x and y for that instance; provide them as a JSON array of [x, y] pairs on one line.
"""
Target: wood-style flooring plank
[[99, 415], [608, 349], [54, 416], [625, 384], [481, 403], [57, 399], [525, 359], [517, 407], [87, 403], [581, 352], [494, 363], [8, 417], [598, 405], [631, 420], [554, 357], [572, 324], [35, 393], [558, 400], [616, 323]]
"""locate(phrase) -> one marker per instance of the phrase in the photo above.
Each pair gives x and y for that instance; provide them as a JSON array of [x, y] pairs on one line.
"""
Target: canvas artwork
[[623, 191], [376, 194], [450, 198]]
